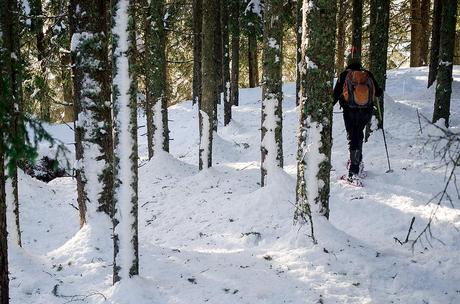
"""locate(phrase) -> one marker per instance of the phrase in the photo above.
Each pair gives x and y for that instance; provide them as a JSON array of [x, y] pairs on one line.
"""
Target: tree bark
[[425, 8], [252, 61], [4, 280], [415, 34], [156, 83], [197, 47], [435, 37], [341, 27], [40, 79], [272, 94], [235, 45], [219, 49], [357, 25], [446, 57], [210, 81], [315, 136], [125, 215], [12, 102], [224, 10], [378, 51], [93, 127], [298, 60]]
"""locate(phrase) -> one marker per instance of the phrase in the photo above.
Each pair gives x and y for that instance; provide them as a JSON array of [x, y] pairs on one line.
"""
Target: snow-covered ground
[[217, 237]]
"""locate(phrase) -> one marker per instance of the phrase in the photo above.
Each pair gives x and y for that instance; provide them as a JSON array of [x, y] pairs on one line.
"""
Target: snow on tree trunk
[[272, 94], [10, 102], [124, 98], [11, 65], [155, 64], [226, 61], [446, 57], [315, 134], [210, 82], [235, 42], [93, 124], [298, 50], [357, 26], [435, 36], [379, 26]]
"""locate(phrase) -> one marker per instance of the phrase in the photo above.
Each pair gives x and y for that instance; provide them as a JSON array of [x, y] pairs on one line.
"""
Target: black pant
[[356, 120]]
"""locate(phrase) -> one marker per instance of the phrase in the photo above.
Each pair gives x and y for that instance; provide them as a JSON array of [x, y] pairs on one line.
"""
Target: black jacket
[[338, 89]]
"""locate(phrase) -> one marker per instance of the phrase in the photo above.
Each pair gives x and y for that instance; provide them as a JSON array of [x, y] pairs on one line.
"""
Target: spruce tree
[[298, 50], [12, 65], [425, 9], [197, 48], [379, 26], [209, 81], [342, 18], [446, 57], [435, 37], [124, 97], [272, 94], [315, 136], [4, 280], [252, 25], [93, 127], [357, 27], [224, 13], [234, 26], [155, 65], [10, 142], [416, 33]]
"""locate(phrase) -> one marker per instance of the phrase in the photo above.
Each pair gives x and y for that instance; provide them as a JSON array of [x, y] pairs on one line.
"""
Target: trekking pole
[[384, 138]]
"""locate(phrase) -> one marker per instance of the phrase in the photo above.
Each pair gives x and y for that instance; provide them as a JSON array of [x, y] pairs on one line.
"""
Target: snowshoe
[[353, 180]]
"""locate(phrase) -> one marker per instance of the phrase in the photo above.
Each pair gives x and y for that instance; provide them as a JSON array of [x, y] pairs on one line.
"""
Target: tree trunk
[[67, 89], [93, 127], [425, 8], [125, 215], [272, 94], [298, 60], [252, 61], [11, 65], [446, 57], [415, 34], [155, 65], [40, 79], [315, 136], [218, 49], [357, 26], [197, 47], [341, 27], [235, 41], [224, 5], [435, 37], [11, 97], [4, 281], [210, 82], [378, 51]]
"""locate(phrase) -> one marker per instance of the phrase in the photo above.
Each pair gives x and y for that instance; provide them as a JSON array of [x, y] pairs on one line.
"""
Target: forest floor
[[217, 237]]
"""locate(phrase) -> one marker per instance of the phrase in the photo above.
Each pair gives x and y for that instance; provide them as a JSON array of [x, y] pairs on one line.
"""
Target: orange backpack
[[358, 89]]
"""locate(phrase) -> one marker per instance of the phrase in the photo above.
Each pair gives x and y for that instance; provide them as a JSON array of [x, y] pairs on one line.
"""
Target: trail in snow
[[217, 237]]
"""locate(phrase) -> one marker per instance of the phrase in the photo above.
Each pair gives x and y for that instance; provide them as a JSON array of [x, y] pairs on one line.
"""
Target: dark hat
[[352, 58]]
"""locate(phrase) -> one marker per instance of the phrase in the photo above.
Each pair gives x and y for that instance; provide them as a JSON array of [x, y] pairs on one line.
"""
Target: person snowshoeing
[[355, 90]]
